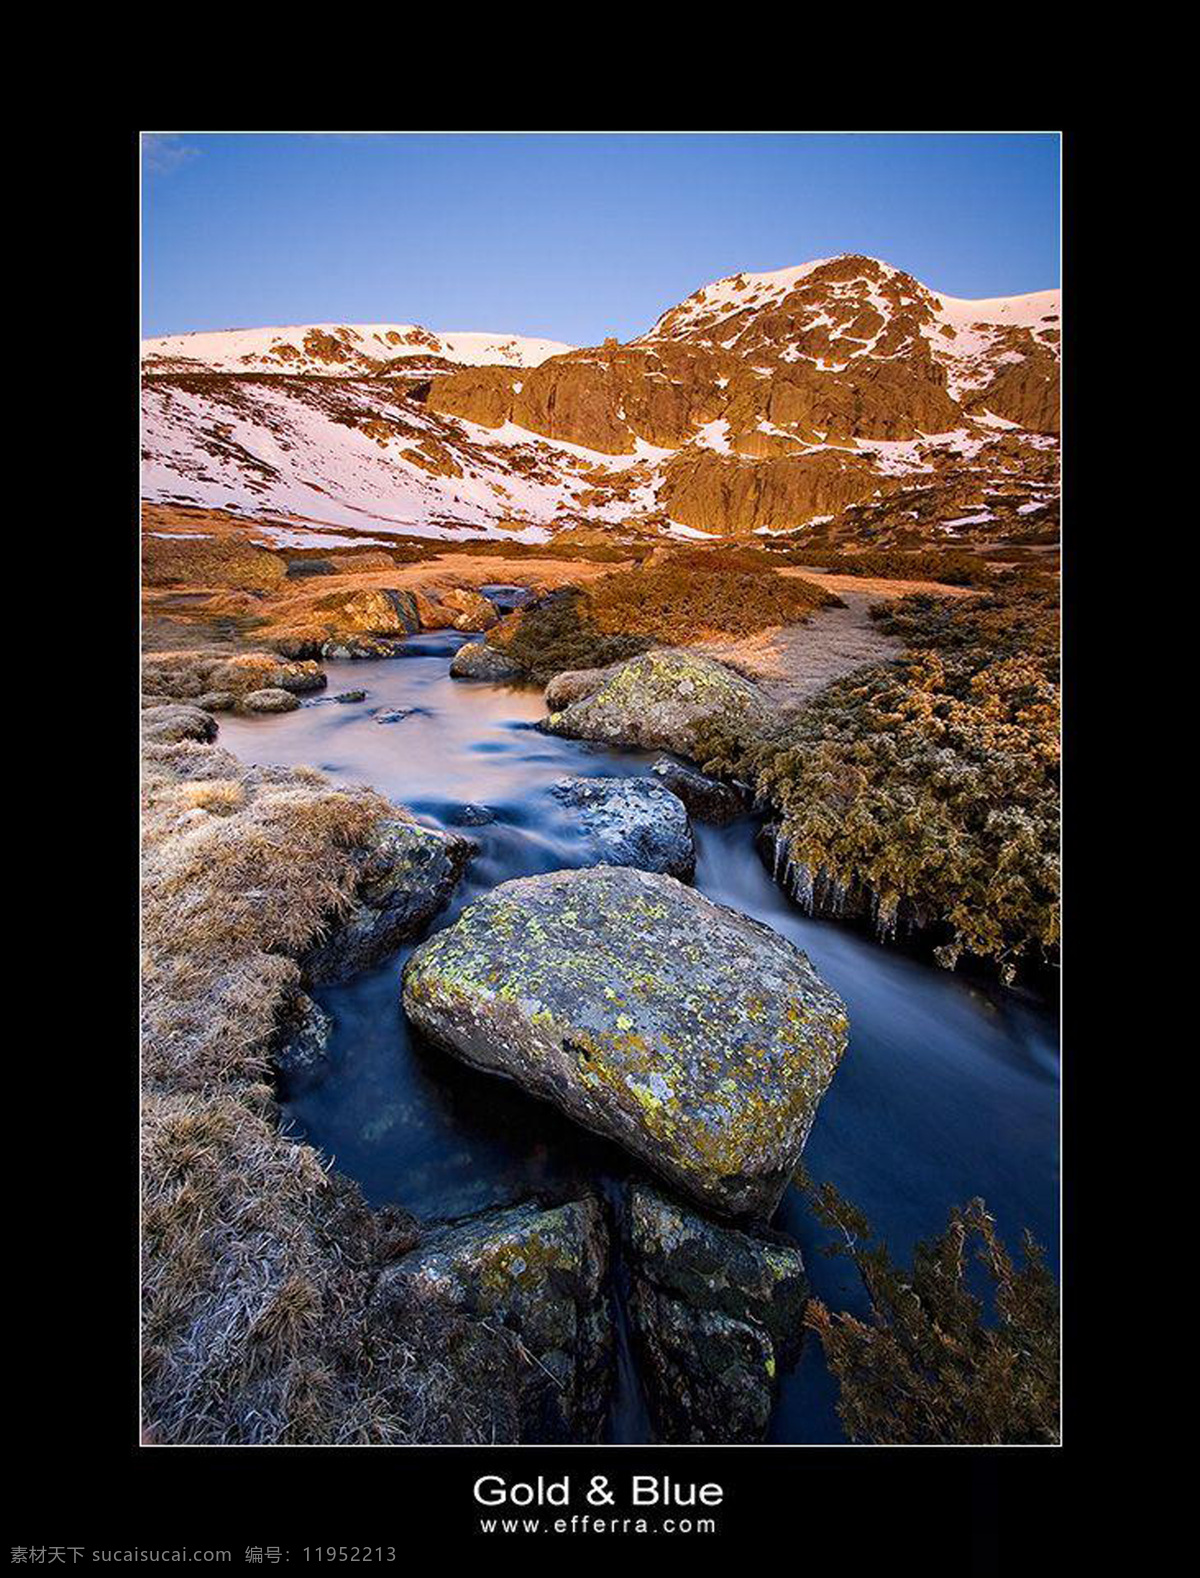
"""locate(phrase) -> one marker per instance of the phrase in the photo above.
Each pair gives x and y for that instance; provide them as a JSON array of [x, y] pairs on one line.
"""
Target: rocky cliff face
[[768, 402]]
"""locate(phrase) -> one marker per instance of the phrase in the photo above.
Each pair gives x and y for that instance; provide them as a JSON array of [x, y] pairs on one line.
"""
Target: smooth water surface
[[948, 1089]]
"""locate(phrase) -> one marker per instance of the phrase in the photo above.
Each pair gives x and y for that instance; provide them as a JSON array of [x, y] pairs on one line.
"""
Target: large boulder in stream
[[517, 1302], [667, 699], [697, 1038], [406, 874], [631, 822], [716, 1313]]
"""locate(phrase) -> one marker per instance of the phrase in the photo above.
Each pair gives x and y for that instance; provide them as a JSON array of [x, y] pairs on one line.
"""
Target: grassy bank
[[257, 1259]]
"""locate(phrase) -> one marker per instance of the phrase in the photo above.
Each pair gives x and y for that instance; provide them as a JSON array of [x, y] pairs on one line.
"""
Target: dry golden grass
[[258, 1261]]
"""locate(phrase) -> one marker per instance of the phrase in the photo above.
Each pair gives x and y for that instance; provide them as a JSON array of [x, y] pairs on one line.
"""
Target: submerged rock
[[708, 799], [471, 815], [517, 1301], [407, 873], [668, 699], [269, 700], [175, 722], [716, 1313], [696, 1037], [477, 660], [631, 822], [348, 696]]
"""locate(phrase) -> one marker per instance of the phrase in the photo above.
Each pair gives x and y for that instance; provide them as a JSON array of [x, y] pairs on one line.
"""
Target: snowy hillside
[[840, 391], [338, 348]]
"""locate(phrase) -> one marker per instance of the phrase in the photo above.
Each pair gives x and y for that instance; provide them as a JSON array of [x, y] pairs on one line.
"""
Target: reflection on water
[[948, 1089]]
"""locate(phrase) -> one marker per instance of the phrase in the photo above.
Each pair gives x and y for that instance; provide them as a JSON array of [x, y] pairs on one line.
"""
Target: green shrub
[[693, 595]]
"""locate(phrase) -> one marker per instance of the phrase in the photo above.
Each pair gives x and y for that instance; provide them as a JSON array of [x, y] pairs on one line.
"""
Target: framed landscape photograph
[[598, 760]]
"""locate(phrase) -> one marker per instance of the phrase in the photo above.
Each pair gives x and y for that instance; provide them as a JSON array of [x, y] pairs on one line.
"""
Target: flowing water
[[949, 1088]]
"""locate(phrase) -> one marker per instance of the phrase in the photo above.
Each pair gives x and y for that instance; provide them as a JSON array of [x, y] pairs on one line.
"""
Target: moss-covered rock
[[716, 1314], [272, 699], [669, 699], [696, 1037], [525, 1284]]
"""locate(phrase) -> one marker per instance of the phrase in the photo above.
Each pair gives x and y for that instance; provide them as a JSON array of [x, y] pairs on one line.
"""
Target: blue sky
[[571, 237]]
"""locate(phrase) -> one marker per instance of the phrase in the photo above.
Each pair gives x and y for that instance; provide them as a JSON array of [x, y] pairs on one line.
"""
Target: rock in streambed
[[668, 699], [716, 1312], [478, 660], [407, 873], [631, 822], [517, 1301], [696, 1037]]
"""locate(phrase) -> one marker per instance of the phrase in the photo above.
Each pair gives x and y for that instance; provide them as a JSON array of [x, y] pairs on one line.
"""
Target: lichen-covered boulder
[[716, 1314], [170, 724], [269, 700], [247, 672], [708, 799], [217, 701], [432, 613], [696, 1037], [477, 660], [669, 699], [406, 874], [521, 1297], [630, 822]]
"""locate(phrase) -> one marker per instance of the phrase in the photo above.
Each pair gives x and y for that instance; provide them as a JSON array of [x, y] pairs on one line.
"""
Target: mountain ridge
[[840, 393]]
